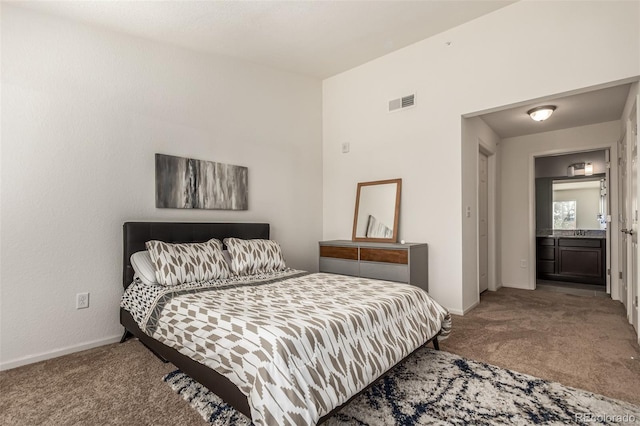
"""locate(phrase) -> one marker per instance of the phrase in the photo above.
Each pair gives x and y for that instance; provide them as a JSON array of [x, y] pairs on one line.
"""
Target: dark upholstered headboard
[[136, 234]]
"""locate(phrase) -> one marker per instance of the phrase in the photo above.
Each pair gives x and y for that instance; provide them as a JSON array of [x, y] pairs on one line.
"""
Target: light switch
[[468, 211], [345, 147]]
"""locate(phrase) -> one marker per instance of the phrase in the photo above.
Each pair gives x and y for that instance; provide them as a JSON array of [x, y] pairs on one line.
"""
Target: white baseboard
[[58, 352], [518, 286], [471, 307], [461, 313]]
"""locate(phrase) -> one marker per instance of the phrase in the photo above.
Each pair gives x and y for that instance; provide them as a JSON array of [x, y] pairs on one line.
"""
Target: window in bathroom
[[564, 214]]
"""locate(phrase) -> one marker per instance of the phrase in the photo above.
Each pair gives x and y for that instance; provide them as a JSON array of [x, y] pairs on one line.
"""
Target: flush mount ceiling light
[[541, 113]]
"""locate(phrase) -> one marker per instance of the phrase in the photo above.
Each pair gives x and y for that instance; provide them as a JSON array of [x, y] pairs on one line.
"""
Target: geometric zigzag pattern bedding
[[300, 344]]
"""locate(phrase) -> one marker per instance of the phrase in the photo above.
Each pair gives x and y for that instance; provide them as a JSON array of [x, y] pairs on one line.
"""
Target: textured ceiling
[[313, 38]]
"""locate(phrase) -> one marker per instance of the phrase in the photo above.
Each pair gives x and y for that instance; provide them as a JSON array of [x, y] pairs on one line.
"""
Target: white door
[[622, 219], [606, 210], [632, 131], [483, 222]]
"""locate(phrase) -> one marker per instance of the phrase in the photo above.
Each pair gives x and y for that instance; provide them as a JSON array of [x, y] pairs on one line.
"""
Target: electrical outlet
[[523, 263], [82, 300]]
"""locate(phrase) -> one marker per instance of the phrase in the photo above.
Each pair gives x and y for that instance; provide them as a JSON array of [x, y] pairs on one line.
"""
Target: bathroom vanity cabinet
[[573, 259]]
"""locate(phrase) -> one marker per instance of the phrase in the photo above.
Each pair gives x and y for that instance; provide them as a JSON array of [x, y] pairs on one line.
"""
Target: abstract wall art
[[185, 183]]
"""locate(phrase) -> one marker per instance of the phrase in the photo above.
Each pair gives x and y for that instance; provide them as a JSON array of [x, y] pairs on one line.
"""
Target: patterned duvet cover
[[297, 344]]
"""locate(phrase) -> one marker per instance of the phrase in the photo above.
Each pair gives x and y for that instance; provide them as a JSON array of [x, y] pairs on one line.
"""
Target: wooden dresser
[[404, 263]]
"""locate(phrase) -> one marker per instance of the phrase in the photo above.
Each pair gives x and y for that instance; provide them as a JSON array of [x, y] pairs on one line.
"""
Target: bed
[[329, 347]]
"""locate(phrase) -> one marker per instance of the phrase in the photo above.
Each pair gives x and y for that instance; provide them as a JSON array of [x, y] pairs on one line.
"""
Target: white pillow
[[143, 267]]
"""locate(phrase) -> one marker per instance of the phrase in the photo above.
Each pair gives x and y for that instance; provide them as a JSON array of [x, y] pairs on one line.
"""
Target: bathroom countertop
[[593, 237], [588, 233]]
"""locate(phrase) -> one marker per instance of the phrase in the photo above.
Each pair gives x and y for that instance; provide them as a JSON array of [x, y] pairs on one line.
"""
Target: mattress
[[296, 344]]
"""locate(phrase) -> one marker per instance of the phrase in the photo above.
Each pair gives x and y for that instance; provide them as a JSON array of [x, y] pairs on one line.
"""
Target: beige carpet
[[579, 341]]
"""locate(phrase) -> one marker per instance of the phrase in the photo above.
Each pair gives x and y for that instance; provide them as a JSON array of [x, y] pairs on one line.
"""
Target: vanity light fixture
[[541, 113], [588, 169], [580, 169]]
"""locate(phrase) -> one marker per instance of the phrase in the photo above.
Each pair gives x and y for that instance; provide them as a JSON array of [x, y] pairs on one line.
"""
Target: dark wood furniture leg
[[436, 345], [125, 336]]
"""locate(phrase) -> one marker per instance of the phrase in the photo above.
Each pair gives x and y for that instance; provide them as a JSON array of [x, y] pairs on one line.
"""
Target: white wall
[[517, 168], [490, 62], [83, 112]]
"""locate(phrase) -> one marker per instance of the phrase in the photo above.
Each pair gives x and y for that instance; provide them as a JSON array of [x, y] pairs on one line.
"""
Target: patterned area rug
[[436, 387]]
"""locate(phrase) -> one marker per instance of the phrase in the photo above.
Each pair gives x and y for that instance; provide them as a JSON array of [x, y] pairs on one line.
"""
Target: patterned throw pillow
[[187, 262], [250, 257]]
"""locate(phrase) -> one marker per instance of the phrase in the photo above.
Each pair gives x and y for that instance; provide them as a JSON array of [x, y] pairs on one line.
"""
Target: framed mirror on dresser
[[377, 211], [373, 251]]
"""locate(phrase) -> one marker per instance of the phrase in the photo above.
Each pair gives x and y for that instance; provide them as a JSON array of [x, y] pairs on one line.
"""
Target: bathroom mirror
[[377, 211], [571, 203], [579, 204]]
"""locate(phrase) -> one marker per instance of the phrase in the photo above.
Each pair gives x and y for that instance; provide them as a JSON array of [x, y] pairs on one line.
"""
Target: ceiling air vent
[[401, 103]]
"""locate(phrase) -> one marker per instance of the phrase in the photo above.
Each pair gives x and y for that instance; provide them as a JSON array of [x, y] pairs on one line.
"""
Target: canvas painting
[[185, 183]]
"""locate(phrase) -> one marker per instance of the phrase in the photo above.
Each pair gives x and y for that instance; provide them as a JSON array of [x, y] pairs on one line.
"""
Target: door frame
[[637, 260], [492, 280], [610, 218], [613, 198]]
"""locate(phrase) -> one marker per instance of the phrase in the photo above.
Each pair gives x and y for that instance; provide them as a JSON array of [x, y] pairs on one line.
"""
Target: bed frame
[[136, 234]]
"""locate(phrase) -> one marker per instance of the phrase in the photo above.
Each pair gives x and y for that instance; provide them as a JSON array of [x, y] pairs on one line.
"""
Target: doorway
[[572, 216]]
